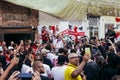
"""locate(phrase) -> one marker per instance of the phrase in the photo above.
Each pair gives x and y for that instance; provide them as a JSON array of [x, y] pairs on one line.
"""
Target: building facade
[[17, 22]]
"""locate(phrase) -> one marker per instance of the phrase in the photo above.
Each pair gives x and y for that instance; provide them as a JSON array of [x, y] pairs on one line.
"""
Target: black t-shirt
[[91, 71], [3, 61], [109, 34]]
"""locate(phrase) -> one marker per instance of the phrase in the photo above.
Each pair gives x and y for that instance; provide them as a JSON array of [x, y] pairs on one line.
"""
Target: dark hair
[[61, 59], [38, 57], [93, 37], [73, 51], [48, 47], [101, 62], [14, 45], [61, 50]]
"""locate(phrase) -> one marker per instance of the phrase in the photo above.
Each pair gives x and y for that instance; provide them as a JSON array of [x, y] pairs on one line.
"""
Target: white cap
[[44, 50], [10, 47], [1, 49]]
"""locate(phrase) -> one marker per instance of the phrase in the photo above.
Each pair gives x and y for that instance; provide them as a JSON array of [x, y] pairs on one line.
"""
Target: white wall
[[46, 20], [105, 20]]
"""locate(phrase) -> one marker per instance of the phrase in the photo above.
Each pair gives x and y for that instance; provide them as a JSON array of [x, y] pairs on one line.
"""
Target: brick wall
[[0, 12], [17, 16], [14, 19]]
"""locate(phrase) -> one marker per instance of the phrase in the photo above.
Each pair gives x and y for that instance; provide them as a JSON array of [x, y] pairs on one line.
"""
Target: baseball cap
[[10, 48], [44, 50]]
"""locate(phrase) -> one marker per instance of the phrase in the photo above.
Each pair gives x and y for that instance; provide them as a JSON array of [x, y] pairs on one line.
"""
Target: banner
[[70, 32]]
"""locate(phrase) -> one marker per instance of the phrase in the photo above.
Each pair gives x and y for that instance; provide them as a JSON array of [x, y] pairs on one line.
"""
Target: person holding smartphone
[[74, 69]]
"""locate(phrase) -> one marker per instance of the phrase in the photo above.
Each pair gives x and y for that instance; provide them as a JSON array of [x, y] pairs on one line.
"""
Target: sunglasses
[[74, 57]]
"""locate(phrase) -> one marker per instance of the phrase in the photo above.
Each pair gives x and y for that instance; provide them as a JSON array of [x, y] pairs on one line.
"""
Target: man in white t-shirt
[[26, 69], [58, 43], [58, 71], [47, 71]]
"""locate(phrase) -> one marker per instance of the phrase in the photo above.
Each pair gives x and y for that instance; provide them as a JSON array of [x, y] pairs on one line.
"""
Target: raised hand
[[14, 75], [36, 76], [86, 57], [14, 61]]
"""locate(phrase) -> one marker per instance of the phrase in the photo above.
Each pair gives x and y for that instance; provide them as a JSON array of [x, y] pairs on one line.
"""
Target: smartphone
[[87, 50], [25, 76]]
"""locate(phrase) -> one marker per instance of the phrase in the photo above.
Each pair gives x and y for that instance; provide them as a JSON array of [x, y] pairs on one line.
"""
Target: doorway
[[16, 37]]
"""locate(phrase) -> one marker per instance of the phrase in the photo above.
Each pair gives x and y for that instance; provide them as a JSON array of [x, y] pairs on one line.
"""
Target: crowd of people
[[59, 59]]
